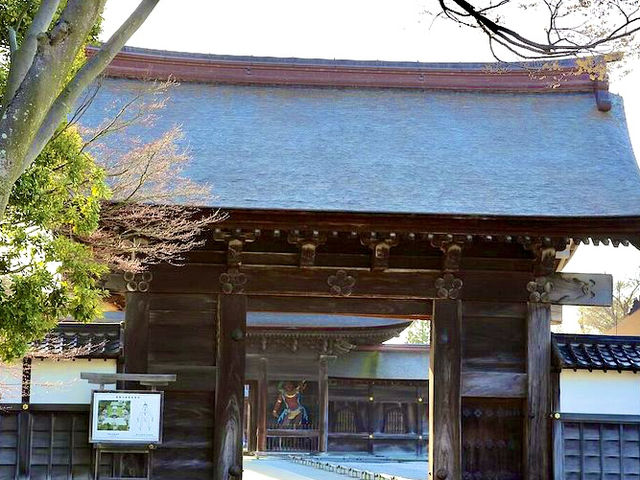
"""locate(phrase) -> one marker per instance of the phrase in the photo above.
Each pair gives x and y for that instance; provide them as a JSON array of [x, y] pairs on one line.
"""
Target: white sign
[[126, 417]]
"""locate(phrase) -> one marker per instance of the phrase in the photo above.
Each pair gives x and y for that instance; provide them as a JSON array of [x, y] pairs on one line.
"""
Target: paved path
[[278, 469], [409, 470], [281, 469]]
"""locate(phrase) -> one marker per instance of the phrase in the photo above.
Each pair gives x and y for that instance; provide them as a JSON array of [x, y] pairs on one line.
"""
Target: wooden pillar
[[537, 453], [445, 453], [136, 333], [263, 388], [23, 447], [227, 439], [323, 403]]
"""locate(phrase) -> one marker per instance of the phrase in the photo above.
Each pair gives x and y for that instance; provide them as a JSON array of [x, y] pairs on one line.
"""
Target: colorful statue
[[293, 413]]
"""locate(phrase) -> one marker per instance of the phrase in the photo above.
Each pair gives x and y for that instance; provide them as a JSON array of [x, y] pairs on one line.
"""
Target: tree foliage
[[44, 78], [78, 211], [601, 319], [45, 273], [419, 332]]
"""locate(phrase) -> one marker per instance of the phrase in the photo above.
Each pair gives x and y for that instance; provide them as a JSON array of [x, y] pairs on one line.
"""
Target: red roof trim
[[153, 64]]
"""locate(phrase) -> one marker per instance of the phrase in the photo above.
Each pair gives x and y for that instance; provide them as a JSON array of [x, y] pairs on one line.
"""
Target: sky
[[358, 30]]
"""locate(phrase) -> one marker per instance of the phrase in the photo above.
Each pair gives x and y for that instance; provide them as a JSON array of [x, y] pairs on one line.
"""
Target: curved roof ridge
[[538, 77], [500, 67]]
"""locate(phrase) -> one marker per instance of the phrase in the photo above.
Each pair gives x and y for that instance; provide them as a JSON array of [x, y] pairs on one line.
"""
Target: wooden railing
[[292, 440]]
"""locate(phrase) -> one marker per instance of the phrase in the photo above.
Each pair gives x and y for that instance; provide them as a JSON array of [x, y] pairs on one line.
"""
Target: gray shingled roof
[[383, 150], [597, 352], [288, 320], [392, 363]]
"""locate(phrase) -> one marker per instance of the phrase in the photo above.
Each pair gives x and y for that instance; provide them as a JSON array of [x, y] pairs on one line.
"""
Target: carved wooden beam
[[484, 286], [380, 245], [572, 289], [308, 242], [409, 309]]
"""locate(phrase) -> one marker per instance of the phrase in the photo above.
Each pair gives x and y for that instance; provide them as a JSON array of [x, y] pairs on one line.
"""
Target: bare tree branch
[[44, 98], [87, 74]]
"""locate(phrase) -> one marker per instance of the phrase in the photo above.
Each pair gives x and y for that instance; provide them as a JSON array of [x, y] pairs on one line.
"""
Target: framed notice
[[126, 417]]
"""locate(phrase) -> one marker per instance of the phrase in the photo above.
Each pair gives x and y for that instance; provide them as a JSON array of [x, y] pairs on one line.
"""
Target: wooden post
[[263, 387], [136, 333], [537, 462], [227, 437], [445, 453], [323, 403], [23, 447]]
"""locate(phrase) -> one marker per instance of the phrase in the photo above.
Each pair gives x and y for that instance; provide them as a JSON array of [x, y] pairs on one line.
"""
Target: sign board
[[126, 417]]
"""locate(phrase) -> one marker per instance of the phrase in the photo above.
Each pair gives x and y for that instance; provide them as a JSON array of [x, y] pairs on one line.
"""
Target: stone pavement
[[282, 469]]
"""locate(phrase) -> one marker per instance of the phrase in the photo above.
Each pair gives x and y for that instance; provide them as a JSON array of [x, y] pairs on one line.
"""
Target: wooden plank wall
[[180, 334], [9, 443], [597, 450], [494, 355]]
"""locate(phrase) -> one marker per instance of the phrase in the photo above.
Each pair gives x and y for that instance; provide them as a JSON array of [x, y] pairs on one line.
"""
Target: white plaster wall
[[58, 381], [11, 382], [599, 392]]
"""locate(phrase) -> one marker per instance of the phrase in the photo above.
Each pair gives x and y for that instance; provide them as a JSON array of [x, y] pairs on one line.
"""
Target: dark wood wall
[[48, 442], [176, 333], [493, 343]]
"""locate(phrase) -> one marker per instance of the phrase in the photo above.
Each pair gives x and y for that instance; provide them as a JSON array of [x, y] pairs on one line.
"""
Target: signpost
[[126, 421], [126, 417]]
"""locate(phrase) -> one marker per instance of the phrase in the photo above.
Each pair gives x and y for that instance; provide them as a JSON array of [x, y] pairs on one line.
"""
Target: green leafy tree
[[601, 319], [43, 42], [419, 332], [45, 273]]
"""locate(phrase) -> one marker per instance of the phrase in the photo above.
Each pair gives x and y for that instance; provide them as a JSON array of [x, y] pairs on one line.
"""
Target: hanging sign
[[126, 417]]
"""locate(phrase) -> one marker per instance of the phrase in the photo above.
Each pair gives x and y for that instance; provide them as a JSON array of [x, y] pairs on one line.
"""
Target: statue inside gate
[[288, 408]]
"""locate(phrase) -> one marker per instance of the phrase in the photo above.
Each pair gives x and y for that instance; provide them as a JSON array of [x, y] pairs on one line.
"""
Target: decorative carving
[[292, 342], [235, 240], [539, 290], [341, 283], [233, 281], [138, 282], [307, 242], [380, 248], [448, 286], [451, 246], [544, 249]]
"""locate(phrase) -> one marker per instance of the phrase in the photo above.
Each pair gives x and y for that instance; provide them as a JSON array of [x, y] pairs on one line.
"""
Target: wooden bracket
[[380, 246], [544, 250], [451, 246], [235, 240], [307, 242]]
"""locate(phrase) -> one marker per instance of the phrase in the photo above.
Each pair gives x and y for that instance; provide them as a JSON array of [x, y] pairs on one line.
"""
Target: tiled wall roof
[[597, 352], [81, 340]]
